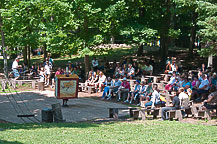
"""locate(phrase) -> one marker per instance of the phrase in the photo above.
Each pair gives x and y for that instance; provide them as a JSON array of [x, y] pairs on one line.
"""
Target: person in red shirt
[[124, 88]]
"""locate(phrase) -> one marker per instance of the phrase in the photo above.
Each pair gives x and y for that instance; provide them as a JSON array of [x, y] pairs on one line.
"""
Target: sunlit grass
[[118, 132]]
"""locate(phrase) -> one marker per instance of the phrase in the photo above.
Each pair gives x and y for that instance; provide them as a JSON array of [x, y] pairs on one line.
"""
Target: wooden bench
[[198, 113], [20, 82], [148, 111], [113, 112], [175, 114]]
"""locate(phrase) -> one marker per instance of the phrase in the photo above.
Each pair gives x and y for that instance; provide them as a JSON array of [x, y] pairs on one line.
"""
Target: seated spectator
[[149, 69], [148, 92], [94, 79], [132, 94], [174, 67], [168, 67], [175, 106], [171, 82], [124, 88], [175, 86], [117, 70], [155, 98], [109, 83], [179, 65], [114, 87], [130, 71], [15, 67], [195, 83], [203, 68], [33, 71], [137, 69], [214, 80], [76, 71], [58, 72], [123, 71], [95, 64], [182, 95], [42, 75], [203, 88], [101, 81], [141, 92], [211, 102], [89, 78], [200, 75], [186, 83], [169, 60]]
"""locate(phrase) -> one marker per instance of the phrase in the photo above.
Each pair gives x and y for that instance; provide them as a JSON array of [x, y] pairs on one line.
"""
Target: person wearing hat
[[133, 93], [147, 94], [124, 88], [141, 92], [114, 87], [95, 64]]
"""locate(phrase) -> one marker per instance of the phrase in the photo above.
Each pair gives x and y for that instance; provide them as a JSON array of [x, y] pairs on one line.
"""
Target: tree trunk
[[4, 49], [210, 61], [193, 35], [163, 49], [86, 64], [45, 51], [140, 50], [164, 39], [29, 56], [25, 55]]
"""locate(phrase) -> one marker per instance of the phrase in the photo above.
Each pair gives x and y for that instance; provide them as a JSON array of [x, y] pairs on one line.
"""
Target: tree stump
[[57, 113]]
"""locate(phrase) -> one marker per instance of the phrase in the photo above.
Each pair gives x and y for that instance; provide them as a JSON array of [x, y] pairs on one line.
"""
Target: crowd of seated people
[[184, 86]]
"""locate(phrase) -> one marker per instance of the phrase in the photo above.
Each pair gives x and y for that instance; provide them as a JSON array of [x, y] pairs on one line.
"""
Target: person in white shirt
[[182, 95], [101, 81], [95, 64], [171, 82], [15, 67], [130, 72], [47, 68], [174, 67], [155, 98]]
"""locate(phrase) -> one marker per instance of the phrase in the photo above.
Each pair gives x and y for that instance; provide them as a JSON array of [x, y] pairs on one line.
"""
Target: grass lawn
[[117, 132]]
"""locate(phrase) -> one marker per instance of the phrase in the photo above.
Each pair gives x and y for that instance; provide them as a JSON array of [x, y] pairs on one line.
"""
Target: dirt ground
[[97, 96]]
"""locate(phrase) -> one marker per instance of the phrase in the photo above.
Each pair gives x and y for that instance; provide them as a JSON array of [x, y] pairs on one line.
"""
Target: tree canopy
[[67, 27]]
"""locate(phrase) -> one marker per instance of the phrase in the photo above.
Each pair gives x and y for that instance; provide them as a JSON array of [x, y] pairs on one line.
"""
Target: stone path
[[80, 109]]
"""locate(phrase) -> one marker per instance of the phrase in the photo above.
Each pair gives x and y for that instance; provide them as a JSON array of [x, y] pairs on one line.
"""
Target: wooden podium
[[66, 87]]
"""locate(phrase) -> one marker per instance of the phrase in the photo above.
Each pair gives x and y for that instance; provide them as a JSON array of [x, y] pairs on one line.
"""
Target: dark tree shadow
[[9, 142]]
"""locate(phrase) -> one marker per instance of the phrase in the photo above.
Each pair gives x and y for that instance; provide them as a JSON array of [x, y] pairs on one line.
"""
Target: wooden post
[[33, 84], [135, 114], [3, 85], [142, 113], [113, 113], [57, 113], [86, 64], [14, 84]]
